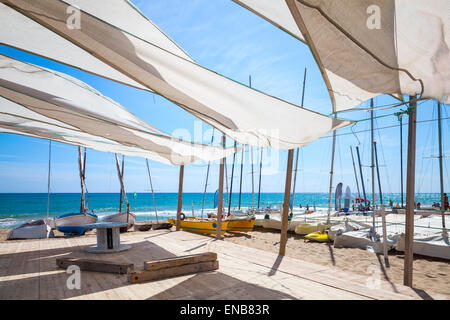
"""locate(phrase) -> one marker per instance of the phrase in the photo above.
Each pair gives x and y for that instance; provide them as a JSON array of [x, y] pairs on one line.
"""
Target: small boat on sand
[[37, 229], [75, 223], [199, 225]]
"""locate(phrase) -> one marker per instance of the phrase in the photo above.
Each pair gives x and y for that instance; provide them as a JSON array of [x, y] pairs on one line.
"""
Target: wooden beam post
[[220, 200], [410, 183], [287, 195], [180, 197]]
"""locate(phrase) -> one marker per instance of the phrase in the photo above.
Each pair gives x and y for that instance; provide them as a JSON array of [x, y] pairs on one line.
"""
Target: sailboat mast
[[354, 170], [48, 179], [231, 182], [372, 164], [260, 171], [361, 173], [151, 187], [253, 181], [207, 175], [81, 166], [331, 174], [121, 194], [240, 182], [122, 186], [298, 149], [441, 176], [295, 179]]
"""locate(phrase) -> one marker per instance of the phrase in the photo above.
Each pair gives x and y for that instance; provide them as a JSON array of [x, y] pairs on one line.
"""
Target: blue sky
[[232, 41]]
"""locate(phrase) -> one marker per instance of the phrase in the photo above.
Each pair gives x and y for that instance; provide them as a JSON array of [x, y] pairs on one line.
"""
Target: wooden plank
[[95, 265], [138, 277], [179, 261]]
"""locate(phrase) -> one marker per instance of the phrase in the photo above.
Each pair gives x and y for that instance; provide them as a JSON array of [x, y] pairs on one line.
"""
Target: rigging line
[[386, 107], [384, 158], [381, 128], [151, 186]]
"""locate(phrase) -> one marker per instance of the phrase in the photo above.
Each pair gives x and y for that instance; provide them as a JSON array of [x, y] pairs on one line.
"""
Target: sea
[[19, 208]]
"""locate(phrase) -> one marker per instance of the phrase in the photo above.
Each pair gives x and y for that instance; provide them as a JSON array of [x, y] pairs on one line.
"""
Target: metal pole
[[48, 182], [441, 176], [362, 178], [151, 186], [410, 186]]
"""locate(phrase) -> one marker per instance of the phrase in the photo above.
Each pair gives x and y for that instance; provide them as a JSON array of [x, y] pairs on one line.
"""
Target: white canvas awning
[[365, 48], [52, 105], [140, 51]]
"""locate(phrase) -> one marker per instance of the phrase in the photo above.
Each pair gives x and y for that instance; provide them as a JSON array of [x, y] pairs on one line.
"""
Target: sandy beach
[[429, 273]]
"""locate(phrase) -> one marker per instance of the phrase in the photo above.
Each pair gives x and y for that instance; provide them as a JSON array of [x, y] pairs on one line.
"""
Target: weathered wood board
[[95, 265], [138, 277], [180, 261]]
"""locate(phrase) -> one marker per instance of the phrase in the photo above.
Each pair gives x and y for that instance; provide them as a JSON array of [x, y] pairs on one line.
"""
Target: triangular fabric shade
[[366, 48], [246, 115], [47, 103]]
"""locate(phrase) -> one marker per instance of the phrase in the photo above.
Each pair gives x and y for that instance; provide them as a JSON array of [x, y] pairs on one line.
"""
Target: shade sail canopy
[[53, 105], [142, 53], [366, 48]]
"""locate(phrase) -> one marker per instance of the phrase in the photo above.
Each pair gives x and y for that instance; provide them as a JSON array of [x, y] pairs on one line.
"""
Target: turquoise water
[[17, 208]]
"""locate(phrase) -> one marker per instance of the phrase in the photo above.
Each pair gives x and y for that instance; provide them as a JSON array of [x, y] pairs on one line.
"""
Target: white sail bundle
[[43, 103], [365, 48], [114, 32]]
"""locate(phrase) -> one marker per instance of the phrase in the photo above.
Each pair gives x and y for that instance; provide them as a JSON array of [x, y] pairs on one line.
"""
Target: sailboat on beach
[[126, 217], [75, 223]]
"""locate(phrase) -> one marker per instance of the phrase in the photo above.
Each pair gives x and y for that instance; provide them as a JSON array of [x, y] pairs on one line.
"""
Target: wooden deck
[[28, 271]]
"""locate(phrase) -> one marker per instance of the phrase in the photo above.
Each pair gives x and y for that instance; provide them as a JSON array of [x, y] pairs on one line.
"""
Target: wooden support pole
[[180, 197], [287, 195], [410, 184], [220, 200]]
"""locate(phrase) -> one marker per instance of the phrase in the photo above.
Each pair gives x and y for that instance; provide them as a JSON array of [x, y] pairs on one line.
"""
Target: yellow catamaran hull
[[201, 225], [242, 225]]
